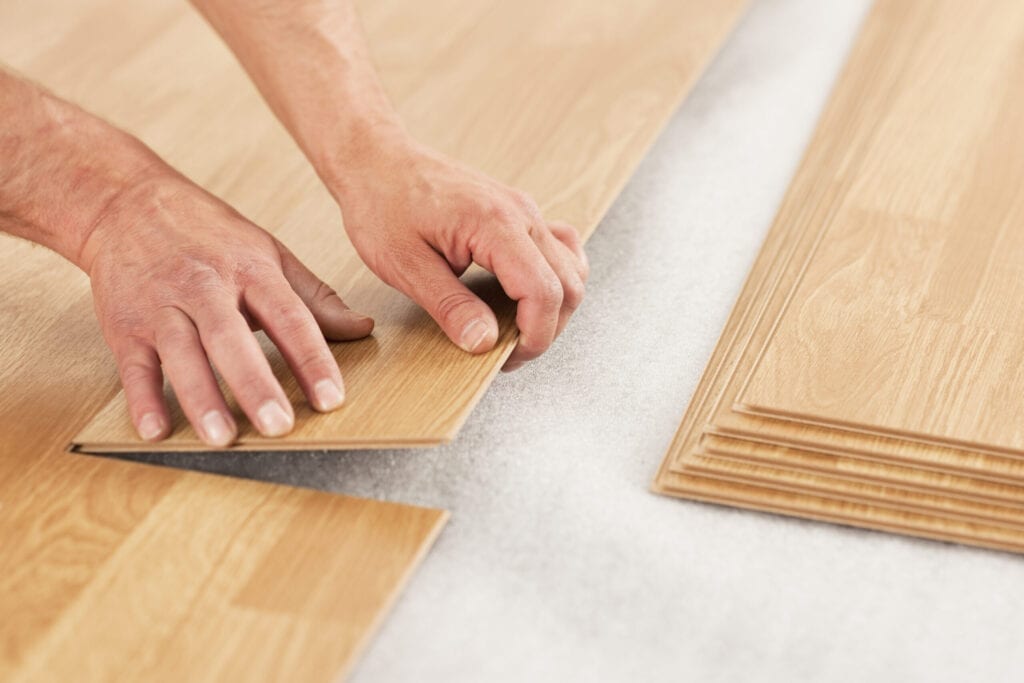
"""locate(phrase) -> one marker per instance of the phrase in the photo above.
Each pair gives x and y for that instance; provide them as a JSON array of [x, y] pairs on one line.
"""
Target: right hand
[[180, 280], [418, 219]]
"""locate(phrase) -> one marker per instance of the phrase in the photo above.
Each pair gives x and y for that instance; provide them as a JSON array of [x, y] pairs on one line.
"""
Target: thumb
[[337, 321], [426, 278]]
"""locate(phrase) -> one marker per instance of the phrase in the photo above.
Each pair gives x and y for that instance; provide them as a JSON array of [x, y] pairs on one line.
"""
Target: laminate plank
[[784, 478], [846, 513], [890, 37], [226, 580], [871, 470], [112, 569], [800, 248], [905, 321], [561, 101]]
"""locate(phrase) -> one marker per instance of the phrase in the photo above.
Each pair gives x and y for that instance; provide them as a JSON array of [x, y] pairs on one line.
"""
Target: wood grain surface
[[561, 100], [897, 36], [906, 320], [798, 248], [111, 570], [870, 470]]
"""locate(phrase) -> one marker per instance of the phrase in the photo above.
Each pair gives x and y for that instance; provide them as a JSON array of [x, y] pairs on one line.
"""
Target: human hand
[[180, 280], [419, 220]]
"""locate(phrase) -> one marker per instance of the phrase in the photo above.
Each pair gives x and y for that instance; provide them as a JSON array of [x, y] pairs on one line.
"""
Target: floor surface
[[558, 564]]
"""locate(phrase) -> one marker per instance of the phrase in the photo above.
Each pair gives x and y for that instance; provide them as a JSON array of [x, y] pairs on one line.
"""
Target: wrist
[[62, 167], [367, 149]]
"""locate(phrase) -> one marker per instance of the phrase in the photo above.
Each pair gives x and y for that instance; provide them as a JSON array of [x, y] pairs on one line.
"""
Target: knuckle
[[584, 270], [527, 203], [575, 290], [501, 212], [530, 349], [571, 236], [255, 269], [134, 371], [219, 336], [450, 307], [312, 362], [253, 388], [173, 337], [549, 291], [291, 319], [323, 293], [196, 277]]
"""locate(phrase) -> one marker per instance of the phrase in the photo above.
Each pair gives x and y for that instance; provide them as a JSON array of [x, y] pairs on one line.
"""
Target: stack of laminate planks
[[870, 373]]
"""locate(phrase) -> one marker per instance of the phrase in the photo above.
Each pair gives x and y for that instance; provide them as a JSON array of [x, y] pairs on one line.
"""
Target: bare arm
[[178, 277], [416, 218]]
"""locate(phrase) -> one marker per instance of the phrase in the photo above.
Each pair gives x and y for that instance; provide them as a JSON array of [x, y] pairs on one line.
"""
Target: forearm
[[310, 61], [59, 167]]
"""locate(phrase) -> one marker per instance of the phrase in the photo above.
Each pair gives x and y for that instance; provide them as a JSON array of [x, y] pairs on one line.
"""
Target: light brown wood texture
[[560, 99], [897, 36], [907, 319], [880, 471], [111, 570], [857, 491], [799, 248]]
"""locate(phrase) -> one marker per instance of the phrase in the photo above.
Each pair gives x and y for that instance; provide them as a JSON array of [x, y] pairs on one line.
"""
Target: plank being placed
[[111, 570], [906, 320], [561, 100], [887, 58]]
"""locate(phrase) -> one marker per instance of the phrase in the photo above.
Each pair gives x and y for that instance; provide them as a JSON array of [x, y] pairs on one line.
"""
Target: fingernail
[[329, 395], [216, 428], [151, 427], [273, 420], [474, 334]]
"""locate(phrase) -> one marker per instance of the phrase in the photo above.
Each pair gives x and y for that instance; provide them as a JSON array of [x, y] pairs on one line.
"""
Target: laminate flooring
[[903, 58], [906, 319], [560, 100], [111, 570]]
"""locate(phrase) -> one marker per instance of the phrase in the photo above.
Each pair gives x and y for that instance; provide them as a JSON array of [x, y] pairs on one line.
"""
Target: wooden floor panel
[[111, 569], [897, 38], [863, 469], [808, 217], [565, 119], [906, 320]]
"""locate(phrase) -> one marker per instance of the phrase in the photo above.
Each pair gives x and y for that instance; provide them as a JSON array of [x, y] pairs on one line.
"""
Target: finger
[[425, 277], [570, 237], [188, 370], [567, 266], [234, 351], [336, 320], [291, 326], [143, 381], [527, 277]]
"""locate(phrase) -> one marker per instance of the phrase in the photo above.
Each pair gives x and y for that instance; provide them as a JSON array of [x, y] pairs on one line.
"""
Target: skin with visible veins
[[180, 279]]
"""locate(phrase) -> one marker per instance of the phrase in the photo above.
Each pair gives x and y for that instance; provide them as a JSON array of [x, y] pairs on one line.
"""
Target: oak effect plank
[[114, 569], [800, 249], [560, 100], [252, 595], [894, 34], [862, 469], [906, 321], [111, 569]]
